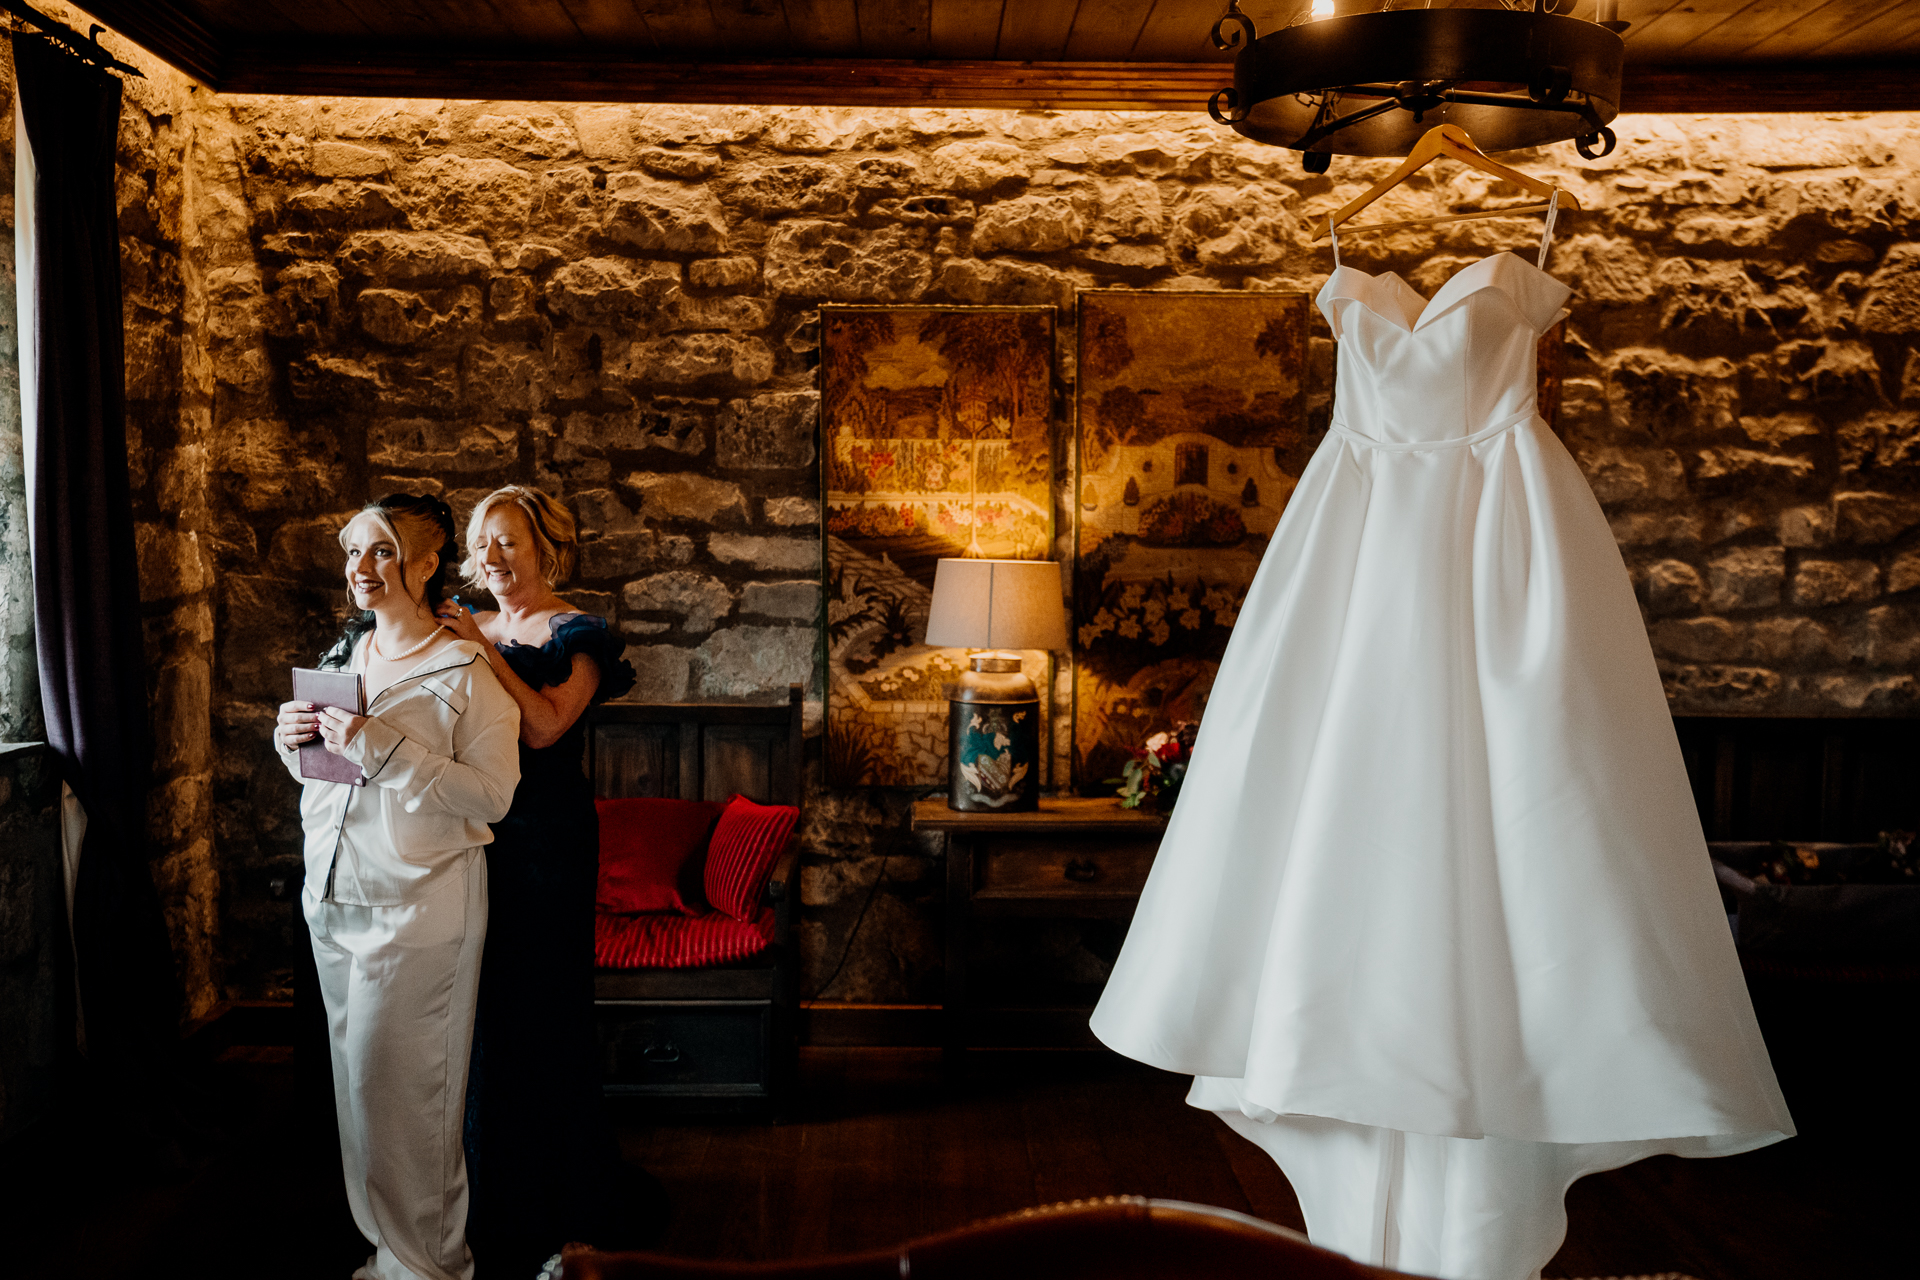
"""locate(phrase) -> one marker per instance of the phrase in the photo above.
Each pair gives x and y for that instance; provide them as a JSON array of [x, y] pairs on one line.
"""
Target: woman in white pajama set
[[396, 885]]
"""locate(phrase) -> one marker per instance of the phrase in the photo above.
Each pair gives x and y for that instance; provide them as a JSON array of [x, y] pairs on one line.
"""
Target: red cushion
[[746, 842], [651, 853], [677, 942]]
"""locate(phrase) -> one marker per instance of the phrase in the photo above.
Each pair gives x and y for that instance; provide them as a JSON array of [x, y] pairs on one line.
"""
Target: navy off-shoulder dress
[[542, 1165]]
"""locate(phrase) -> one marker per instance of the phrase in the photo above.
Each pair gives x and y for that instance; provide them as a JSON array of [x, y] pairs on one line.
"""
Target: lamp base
[[993, 738]]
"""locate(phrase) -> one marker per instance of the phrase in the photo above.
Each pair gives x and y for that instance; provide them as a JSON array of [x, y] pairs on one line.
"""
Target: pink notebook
[[329, 689]]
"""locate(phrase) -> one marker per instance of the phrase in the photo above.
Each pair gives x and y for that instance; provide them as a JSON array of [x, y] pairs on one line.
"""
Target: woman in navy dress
[[541, 1157]]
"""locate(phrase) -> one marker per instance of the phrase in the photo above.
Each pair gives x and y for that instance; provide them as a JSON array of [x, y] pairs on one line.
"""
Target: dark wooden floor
[[883, 1148]]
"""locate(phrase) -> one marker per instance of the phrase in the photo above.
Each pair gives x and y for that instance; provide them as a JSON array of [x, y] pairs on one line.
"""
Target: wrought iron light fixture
[[1517, 74]]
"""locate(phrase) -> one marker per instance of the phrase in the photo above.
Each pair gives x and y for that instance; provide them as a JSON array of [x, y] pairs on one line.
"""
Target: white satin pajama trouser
[[399, 985]]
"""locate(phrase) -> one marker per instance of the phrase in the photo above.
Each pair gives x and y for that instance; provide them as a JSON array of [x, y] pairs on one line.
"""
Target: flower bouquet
[[1159, 765]]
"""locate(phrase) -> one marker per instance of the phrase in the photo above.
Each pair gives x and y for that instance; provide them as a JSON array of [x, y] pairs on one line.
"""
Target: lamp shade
[[997, 604]]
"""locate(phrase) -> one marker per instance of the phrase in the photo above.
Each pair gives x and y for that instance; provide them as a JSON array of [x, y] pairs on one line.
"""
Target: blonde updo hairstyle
[[417, 524], [555, 533]]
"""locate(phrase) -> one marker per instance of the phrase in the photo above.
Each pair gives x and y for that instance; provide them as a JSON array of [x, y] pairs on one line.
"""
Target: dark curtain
[[86, 587]]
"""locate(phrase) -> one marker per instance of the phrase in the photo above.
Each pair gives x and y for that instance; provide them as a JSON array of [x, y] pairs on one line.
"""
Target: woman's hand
[[457, 618], [338, 728], [296, 723]]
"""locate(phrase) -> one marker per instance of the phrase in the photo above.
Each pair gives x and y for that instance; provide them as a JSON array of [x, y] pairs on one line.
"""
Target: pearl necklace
[[373, 642]]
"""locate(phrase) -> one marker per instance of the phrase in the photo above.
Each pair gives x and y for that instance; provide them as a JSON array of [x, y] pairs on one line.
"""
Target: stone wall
[[616, 303], [167, 419], [331, 299]]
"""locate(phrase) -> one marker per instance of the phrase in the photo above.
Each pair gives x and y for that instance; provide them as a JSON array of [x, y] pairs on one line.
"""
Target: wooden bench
[[722, 1038]]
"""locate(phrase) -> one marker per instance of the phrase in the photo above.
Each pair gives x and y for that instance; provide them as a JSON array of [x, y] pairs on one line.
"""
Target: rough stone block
[[792, 511], [602, 288], [765, 553], [1673, 586], [664, 672], [1128, 257], [689, 166], [734, 314], [415, 257], [1892, 302], [171, 563], [347, 206], [1893, 635], [742, 661], [601, 511], [566, 212], [1746, 578], [1805, 526], [650, 214], [427, 444], [699, 126], [1614, 474], [680, 427], [943, 212], [974, 168], [1881, 444], [688, 496], [696, 599], [499, 377], [799, 600], [828, 262], [1131, 209], [463, 194], [769, 432], [1718, 470], [1649, 529], [696, 357], [1869, 519], [1697, 639], [782, 190], [722, 273], [1781, 428], [182, 716], [1904, 573], [1795, 641], [513, 299], [605, 132], [1879, 695], [622, 555], [988, 283], [1818, 583], [538, 134], [345, 160], [1044, 224], [412, 121], [1715, 689], [400, 318]]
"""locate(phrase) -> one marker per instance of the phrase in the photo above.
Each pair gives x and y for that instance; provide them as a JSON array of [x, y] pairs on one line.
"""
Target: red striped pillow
[[746, 842]]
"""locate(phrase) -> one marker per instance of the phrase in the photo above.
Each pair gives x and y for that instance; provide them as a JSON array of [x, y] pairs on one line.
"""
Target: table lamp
[[993, 710]]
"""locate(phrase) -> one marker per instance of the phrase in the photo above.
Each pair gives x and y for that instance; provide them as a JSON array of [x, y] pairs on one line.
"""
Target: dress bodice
[[1413, 370], [543, 665]]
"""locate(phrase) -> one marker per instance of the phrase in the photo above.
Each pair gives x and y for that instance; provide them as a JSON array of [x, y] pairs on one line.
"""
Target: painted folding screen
[[936, 441], [1190, 412]]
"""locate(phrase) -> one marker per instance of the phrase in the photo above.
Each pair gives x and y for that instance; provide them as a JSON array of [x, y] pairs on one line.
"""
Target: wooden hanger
[[1451, 141]]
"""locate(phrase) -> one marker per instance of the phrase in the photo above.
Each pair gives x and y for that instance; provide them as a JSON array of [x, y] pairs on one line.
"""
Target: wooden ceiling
[[1682, 54]]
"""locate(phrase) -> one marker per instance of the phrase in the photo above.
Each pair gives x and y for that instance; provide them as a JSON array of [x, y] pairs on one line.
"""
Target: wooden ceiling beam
[[1113, 86], [365, 69]]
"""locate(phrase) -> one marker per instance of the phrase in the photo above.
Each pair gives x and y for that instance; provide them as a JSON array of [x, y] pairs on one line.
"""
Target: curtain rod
[[87, 48]]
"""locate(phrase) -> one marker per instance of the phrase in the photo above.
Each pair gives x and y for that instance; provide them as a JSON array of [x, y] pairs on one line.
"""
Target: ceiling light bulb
[[1322, 9]]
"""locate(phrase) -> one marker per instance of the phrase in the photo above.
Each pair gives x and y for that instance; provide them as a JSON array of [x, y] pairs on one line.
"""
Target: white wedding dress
[[1433, 922]]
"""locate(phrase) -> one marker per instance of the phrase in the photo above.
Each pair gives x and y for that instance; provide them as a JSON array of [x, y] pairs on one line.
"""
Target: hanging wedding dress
[[1434, 922]]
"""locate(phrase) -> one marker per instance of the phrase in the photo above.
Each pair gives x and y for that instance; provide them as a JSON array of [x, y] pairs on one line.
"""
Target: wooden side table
[[1075, 858]]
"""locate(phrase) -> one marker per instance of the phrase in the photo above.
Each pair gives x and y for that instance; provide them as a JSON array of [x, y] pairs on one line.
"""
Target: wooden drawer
[[1062, 866], [691, 1048]]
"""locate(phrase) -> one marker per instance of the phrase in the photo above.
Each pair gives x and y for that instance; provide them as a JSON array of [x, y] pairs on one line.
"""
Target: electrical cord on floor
[[872, 891]]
